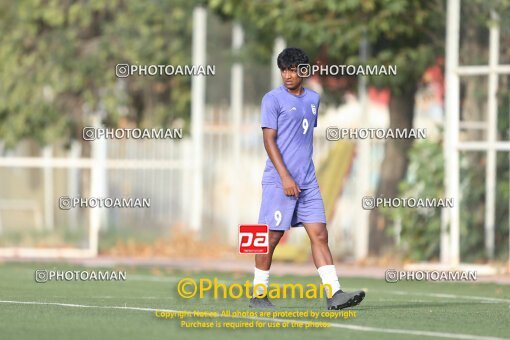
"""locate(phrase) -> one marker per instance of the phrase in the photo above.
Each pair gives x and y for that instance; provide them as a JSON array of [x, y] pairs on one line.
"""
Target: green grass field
[[105, 310]]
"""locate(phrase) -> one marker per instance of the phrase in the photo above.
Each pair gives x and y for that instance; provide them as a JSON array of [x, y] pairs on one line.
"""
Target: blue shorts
[[280, 212]]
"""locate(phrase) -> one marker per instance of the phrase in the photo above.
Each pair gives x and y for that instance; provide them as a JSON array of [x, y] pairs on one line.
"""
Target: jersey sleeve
[[317, 115], [269, 111]]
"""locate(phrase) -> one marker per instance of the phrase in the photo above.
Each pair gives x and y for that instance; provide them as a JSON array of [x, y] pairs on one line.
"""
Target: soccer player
[[290, 192]]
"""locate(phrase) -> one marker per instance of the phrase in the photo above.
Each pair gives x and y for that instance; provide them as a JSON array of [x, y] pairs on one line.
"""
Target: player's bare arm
[[290, 187]]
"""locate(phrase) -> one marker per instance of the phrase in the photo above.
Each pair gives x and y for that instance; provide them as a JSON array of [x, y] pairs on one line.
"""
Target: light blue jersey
[[294, 118]]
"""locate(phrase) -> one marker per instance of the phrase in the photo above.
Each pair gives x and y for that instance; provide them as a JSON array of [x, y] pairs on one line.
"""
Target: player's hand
[[290, 187]]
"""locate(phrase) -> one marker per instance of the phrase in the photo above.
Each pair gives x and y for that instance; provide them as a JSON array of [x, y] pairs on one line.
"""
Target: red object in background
[[379, 96], [253, 239], [434, 76]]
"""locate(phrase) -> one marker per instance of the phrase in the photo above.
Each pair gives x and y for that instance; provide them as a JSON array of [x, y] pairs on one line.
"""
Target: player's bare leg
[[318, 234], [262, 266], [263, 261]]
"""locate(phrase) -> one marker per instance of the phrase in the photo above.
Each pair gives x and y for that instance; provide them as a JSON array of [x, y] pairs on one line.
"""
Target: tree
[[58, 65]]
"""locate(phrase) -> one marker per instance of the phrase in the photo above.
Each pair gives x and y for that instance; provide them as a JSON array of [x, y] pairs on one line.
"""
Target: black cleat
[[341, 299], [264, 302]]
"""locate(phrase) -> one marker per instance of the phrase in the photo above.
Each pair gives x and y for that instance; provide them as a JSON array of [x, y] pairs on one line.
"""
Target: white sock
[[260, 277], [329, 277]]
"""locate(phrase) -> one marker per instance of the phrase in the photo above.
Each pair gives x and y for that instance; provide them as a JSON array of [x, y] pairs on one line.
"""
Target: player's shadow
[[368, 307], [417, 305]]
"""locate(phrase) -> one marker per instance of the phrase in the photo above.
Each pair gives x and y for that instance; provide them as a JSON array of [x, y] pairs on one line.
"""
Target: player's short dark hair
[[291, 57]]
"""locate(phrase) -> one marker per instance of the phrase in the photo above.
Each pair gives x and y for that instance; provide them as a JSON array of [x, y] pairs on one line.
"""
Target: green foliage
[[406, 33], [58, 64], [420, 232], [421, 226]]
